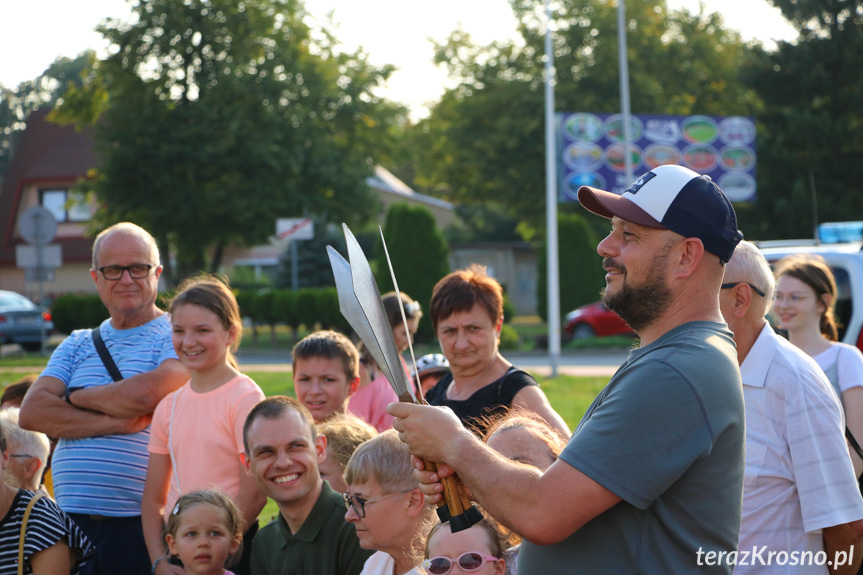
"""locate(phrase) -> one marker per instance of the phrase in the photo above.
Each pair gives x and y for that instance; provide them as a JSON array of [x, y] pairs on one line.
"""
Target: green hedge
[[310, 307], [420, 258], [508, 309], [508, 337], [70, 312], [581, 277]]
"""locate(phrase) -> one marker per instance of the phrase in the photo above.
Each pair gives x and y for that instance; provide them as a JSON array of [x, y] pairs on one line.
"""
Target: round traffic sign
[[37, 225]]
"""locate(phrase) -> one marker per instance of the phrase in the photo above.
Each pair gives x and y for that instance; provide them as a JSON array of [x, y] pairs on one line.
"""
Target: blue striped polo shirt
[[105, 475]]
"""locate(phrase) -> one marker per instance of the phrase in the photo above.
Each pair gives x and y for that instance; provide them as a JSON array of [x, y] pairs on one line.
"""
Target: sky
[[33, 33]]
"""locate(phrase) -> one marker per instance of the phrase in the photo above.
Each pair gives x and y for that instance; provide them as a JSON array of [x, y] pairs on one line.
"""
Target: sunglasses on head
[[470, 561], [412, 309]]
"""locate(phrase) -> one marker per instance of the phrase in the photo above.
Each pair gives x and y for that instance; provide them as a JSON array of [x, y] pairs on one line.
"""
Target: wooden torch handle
[[454, 492]]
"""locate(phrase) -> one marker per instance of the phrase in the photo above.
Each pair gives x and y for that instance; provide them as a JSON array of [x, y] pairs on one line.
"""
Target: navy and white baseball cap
[[674, 198]]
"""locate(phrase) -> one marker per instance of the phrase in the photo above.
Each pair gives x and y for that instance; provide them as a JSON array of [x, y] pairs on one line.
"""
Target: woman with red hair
[[467, 315]]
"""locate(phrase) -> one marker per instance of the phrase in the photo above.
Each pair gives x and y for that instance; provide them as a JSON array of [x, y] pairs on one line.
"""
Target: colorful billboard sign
[[592, 150]]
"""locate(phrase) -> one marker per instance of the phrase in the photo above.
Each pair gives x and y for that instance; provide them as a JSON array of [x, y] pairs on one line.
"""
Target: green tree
[[580, 276], [809, 132], [313, 265], [264, 305], [486, 223], [306, 307], [248, 309], [484, 143], [286, 309], [419, 255], [217, 117]]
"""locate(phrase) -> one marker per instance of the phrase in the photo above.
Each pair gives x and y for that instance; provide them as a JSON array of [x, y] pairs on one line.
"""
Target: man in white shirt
[[802, 510]]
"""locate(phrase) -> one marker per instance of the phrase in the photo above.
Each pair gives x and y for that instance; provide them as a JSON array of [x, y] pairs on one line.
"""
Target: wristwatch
[[69, 392]]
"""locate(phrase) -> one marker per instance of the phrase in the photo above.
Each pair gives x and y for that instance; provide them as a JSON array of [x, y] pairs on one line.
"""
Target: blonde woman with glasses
[[386, 507]]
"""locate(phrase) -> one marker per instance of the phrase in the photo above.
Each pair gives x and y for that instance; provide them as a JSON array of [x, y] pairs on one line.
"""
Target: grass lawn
[[569, 395], [7, 377]]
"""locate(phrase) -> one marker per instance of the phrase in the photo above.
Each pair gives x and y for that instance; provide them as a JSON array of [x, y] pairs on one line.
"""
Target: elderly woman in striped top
[[52, 543]]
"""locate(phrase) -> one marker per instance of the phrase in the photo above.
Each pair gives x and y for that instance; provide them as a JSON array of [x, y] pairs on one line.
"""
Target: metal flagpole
[[624, 90], [551, 203]]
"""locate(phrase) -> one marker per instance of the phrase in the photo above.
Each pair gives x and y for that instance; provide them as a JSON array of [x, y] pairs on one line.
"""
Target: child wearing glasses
[[386, 507], [478, 550], [371, 400]]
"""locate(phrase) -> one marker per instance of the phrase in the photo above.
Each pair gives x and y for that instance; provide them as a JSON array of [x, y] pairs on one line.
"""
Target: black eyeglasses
[[735, 284], [358, 504], [136, 271], [19, 455]]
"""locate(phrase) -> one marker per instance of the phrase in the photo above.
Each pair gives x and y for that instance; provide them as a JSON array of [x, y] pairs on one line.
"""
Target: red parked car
[[594, 320]]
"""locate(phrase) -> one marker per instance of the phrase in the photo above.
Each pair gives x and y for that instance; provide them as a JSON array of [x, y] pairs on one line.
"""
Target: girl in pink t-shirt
[[196, 436]]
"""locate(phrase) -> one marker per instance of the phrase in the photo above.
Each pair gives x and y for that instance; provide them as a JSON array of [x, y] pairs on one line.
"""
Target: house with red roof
[[48, 161]]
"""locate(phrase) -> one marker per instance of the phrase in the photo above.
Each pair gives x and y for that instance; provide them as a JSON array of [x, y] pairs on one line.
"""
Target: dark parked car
[[21, 321], [593, 320]]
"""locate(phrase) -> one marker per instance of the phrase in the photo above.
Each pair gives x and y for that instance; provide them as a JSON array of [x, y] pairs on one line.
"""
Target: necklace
[[453, 392]]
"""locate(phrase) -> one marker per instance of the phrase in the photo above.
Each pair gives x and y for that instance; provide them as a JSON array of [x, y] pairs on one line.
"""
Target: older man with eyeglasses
[[102, 418], [800, 496]]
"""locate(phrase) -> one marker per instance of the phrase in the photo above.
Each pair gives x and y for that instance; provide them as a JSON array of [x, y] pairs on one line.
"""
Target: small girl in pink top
[[196, 436], [370, 401]]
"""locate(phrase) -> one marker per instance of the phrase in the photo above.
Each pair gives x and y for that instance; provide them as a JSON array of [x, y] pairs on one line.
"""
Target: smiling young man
[[283, 450], [653, 474]]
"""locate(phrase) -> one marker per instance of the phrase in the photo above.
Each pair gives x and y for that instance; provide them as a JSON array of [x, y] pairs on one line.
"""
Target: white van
[[840, 245]]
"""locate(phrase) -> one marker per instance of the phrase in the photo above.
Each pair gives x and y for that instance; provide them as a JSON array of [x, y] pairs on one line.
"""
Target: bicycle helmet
[[431, 363]]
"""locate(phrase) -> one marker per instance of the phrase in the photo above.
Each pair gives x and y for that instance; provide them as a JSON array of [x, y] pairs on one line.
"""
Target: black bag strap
[[856, 446], [105, 355]]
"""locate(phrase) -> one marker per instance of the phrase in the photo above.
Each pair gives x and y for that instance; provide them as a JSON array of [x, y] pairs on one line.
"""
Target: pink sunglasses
[[469, 561]]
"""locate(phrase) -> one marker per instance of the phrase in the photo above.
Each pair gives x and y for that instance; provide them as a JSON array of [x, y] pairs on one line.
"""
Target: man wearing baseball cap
[[651, 480]]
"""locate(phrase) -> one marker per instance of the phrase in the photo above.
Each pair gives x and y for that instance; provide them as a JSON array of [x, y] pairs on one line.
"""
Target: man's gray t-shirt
[[666, 436]]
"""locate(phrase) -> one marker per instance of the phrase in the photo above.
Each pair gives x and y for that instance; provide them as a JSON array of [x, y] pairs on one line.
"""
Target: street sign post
[[28, 256], [293, 229], [38, 227], [39, 275]]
